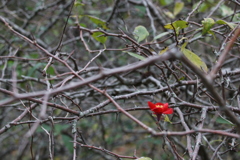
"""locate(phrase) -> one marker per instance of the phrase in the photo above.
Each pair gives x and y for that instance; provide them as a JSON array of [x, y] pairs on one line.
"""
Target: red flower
[[160, 108]]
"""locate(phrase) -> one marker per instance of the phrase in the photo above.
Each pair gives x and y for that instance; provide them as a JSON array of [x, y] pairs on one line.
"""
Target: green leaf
[[78, 4], [58, 128], [67, 141], [195, 59], [99, 22], [163, 51], [223, 121], [231, 25], [166, 119], [215, 141], [82, 24], [165, 2], [236, 17], [32, 71], [204, 6], [207, 25], [140, 11], [144, 158], [33, 55], [161, 35], [177, 24], [99, 36], [136, 55], [181, 78], [226, 11], [51, 71], [47, 127], [140, 33], [169, 14], [178, 8]]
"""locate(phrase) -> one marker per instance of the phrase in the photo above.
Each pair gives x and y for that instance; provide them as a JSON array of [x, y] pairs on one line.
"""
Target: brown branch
[[225, 52]]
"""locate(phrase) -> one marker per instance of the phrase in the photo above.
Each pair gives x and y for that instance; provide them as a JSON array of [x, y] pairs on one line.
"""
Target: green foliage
[[225, 10], [205, 6], [99, 22], [236, 17], [177, 25], [58, 128], [140, 33], [165, 2], [33, 56], [169, 14], [161, 35], [99, 36], [78, 3], [231, 25], [32, 71], [47, 127], [163, 51], [150, 139], [136, 55], [178, 8], [180, 24], [51, 71], [222, 120], [195, 59], [207, 25], [58, 131], [140, 11], [10, 63], [68, 142], [166, 119]]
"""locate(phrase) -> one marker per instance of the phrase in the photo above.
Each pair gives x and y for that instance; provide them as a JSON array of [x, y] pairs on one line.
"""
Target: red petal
[[165, 106], [159, 104], [168, 111], [158, 110], [151, 105]]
